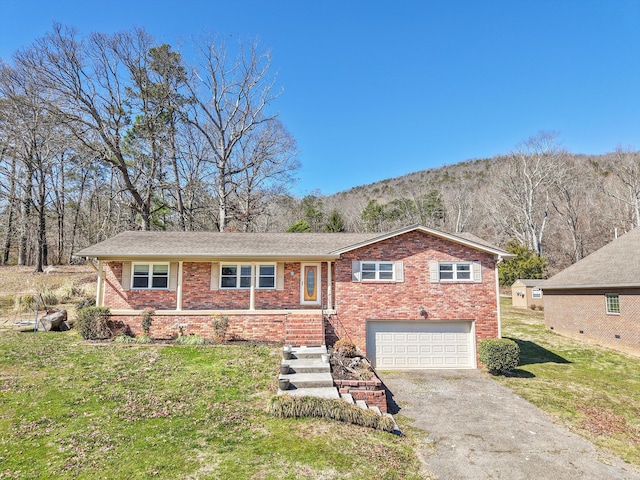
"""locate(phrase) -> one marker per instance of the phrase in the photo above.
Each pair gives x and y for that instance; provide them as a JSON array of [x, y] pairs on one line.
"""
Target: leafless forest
[[104, 133]]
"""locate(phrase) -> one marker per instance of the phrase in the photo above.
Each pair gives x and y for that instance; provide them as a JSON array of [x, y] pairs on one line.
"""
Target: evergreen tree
[[527, 264]]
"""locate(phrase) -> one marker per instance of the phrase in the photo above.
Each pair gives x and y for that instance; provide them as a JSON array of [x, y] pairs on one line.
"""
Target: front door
[[310, 284]]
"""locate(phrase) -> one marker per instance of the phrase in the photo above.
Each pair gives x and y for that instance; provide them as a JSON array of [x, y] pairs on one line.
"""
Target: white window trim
[[150, 283], [397, 271], [606, 303], [377, 271], [455, 272], [255, 275]]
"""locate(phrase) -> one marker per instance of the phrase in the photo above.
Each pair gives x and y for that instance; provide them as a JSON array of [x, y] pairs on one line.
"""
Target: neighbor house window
[[377, 270], [239, 276], [455, 271], [613, 302], [536, 293], [150, 275]]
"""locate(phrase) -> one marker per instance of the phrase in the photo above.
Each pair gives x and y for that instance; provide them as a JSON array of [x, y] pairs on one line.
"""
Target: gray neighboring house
[[598, 298]]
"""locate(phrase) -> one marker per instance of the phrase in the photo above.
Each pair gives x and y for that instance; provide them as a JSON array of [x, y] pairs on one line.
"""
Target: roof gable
[[466, 239]]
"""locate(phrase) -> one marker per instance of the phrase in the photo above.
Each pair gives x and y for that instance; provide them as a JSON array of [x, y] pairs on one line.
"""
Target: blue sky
[[378, 89]]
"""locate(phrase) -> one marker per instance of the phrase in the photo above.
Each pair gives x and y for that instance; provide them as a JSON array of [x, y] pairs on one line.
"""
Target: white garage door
[[398, 345]]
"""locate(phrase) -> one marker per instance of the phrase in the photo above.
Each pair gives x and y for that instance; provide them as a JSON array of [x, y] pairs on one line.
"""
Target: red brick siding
[[358, 301], [355, 302], [569, 312], [241, 327], [116, 298], [197, 293]]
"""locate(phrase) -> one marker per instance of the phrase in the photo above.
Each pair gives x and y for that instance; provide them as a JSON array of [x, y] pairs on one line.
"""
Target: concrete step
[[362, 404], [347, 398], [308, 352], [396, 429], [309, 380], [307, 365], [324, 392], [375, 409]]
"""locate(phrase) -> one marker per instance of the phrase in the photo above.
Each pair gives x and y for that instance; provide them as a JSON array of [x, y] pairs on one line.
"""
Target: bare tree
[[621, 181], [230, 98], [266, 160], [524, 188]]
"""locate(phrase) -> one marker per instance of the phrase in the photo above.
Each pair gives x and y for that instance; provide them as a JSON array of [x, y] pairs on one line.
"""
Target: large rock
[[53, 320]]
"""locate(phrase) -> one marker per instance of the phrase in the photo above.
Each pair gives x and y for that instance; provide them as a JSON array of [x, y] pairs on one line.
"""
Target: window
[[235, 276], [613, 303], [374, 271], [239, 276], [267, 276], [455, 271], [377, 270], [536, 293], [150, 275]]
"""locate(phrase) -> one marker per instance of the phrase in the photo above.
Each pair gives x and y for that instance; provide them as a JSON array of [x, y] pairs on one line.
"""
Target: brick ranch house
[[598, 298], [413, 298]]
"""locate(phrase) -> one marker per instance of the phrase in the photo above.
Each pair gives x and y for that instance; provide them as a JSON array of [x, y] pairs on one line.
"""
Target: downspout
[[498, 297]]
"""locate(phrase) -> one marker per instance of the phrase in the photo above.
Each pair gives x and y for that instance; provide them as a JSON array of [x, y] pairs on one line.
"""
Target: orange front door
[[310, 284]]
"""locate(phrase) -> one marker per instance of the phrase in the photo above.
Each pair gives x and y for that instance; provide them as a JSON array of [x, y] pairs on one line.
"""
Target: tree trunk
[[26, 215], [12, 203]]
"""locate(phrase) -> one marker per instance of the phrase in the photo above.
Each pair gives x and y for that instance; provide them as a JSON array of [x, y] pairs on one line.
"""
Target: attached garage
[[400, 345]]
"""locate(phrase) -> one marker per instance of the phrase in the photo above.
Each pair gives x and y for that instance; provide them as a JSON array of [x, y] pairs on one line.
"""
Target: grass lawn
[[69, 409], [593, 390]]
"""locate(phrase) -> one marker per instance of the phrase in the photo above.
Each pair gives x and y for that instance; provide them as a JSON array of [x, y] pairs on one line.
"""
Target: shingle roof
[[137, 244], [202, 244], [617, 264]]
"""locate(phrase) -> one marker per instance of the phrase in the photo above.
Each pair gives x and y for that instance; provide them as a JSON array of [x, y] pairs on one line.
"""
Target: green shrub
[[144, 339], [93, 323], [498, 354], [288, 406], [190, 340]]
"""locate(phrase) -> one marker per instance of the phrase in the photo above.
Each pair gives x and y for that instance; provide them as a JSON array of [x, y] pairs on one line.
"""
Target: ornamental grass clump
[[193, 340], [288, 406], [499, 354]]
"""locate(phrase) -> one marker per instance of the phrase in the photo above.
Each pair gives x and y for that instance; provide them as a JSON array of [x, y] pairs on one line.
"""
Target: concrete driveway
[[476, 428]]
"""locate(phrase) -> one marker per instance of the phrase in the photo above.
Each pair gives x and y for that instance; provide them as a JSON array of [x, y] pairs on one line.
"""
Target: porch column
[[252, 294], [100, 287], [329, 289], [179, 288]]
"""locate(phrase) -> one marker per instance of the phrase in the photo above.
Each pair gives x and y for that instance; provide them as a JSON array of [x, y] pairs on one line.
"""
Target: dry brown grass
[[25, 279]]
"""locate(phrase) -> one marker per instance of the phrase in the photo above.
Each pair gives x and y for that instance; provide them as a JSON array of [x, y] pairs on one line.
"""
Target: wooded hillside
[[105, 133], [561, 205]]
